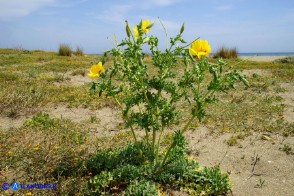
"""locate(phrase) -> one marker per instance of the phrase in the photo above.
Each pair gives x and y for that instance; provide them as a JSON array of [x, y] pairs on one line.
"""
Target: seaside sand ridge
[[262, 58]]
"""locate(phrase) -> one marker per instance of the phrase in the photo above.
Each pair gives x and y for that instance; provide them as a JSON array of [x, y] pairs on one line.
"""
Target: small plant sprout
[[260, 184], [287, 149]]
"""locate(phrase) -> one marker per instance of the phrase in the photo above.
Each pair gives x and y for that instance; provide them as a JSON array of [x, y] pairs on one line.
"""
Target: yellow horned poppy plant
[[200, 48], [145, 24], [96, 70]]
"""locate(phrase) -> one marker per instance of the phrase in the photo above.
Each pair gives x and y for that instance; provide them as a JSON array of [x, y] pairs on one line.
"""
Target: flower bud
[[182, 28], [128, 30]]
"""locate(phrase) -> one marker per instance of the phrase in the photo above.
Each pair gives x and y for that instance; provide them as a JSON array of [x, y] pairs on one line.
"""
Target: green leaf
[[149, 26], [104, 57], [244, 80], [93, 88], [146, 39]]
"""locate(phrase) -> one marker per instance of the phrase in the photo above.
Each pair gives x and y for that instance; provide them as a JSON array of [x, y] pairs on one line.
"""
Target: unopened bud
[[182, 28], [128, 30]]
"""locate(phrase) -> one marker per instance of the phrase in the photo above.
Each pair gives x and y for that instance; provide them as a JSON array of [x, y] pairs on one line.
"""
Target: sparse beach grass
[[65, 50], [226, 53], [54, 149]]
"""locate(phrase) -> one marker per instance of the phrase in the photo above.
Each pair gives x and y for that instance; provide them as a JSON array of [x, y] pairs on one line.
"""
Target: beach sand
[[261, 58]]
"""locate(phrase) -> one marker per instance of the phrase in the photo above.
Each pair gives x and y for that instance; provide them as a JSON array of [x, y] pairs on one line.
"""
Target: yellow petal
[[201, 54], [200, 48], [192, 52], [100, 68], [136, 32], [145, 24], [36, 148], [93, 76], [96, 70]]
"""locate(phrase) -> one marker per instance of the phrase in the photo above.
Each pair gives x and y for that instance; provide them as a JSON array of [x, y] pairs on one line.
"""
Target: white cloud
[[68, 3], [120, 12], [116, 13], [17, 8], [164, 2], [170, 25]]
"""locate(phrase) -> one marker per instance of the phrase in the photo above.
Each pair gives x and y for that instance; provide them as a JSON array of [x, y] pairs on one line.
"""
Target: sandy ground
[[255, 166], [261, 58]]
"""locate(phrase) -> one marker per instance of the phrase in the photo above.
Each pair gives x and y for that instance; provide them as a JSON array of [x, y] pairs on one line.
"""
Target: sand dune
[[261, 58]]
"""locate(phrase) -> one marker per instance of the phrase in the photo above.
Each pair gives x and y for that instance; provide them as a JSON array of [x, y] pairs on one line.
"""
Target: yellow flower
[[200, 48], [37, 148], [199, 169], [96, 70], [29, 194], [145, 24]]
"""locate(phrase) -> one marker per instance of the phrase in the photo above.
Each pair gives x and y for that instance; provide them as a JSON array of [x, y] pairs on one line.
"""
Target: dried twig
[[256, 159]]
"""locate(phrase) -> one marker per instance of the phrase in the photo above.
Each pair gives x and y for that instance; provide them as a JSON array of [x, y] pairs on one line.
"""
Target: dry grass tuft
[[79, 51], [65, 50], [226, 53]]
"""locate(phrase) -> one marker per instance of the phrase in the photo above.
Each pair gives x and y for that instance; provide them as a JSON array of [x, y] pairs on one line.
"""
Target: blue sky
[[249, 25]]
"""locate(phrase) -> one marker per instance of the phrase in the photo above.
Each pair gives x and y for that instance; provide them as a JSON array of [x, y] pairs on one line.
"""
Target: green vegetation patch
[[121, 170]]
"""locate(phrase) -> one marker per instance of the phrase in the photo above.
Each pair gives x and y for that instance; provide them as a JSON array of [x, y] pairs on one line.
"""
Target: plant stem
[[146, 132], [153, 141], [133, 132], [154, 133], [147, 136], [167, 153], [173, 144], [188, 124], [132, 129], [191, 42], [136, 141], [198, 84], [144, 91], [208, 93], [158, 144], [117, 101], [166, 35]]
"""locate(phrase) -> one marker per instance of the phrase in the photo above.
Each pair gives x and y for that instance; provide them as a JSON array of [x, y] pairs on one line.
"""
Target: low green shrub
[[289, 59], [40, 120], [120, 171], [143, 187]]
